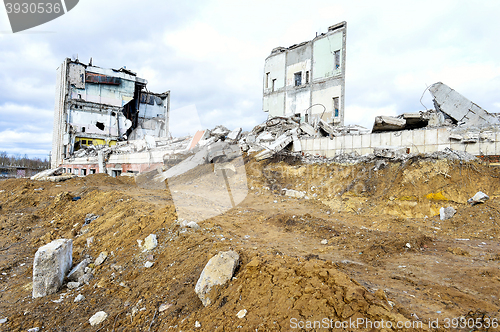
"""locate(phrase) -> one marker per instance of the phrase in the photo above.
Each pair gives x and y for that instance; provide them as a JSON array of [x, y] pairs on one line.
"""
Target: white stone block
[[51, 264], [430, 136], [375, 140], [443, 135], [396, 139], [366, 141], [385, 139], [407, 138]]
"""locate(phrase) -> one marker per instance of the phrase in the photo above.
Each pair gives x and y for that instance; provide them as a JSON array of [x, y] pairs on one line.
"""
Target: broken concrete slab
[[150, 242], [78, 270], [295, 193], [459, 108], [388, 123], [48, 172], [389, 151], [479, 197], [98, 318], [218, 271], [326, 127], [235, 134], [187, 164], [308, 129], [51, 264], [279, 144]]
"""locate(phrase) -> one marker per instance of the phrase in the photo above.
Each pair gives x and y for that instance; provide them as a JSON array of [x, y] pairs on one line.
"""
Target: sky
[[210, 55]]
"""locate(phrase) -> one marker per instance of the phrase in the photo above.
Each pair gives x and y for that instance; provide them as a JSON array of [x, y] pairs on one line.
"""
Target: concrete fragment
[[294, 193], [479, 197], [446, 213], [218, 271], [326, 127], [79, 298], [150, 242], [3, 320], [235, 134], [324, 242], [48, 172], [197, 324], [98, 318], [78, 270], [85, 279], [242, 313], [164, 306], [297, 146], [35, 329], [101, 258], [389, 151], [52, 262], [278, 145], [265, 137], [458, 107], [187, 164], [308, 129], [73, 284], [388, 123], [148, 264]]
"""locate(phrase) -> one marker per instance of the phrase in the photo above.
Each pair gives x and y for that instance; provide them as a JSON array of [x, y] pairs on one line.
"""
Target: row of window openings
[[78, 171], [298, 75]]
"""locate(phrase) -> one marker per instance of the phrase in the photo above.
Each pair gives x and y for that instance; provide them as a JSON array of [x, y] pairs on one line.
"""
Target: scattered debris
[[73, 284], [479, 197], [164, 306], [35, 329], [52, 262], [79, 298], [78, 271], [197, 324], [446, 213], [3, 320], [150, 242], [98, 318], [148, 264], [218, 271], [242, 313], [89, 218], [324, 242], [101, 258]]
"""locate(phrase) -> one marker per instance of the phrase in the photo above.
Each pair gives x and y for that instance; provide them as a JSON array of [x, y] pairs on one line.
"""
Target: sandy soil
[[387, 257]]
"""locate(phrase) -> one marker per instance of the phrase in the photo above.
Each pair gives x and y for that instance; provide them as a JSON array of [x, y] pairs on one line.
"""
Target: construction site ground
[[387, 255]]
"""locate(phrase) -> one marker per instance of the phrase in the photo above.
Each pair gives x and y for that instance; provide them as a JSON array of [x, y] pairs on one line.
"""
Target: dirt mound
[[365, 242]]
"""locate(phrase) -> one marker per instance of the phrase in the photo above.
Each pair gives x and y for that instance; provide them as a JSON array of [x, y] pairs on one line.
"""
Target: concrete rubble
[[98, 318], [51, 264], [78, 271], [478, 198], [446, 213], [218, 271]]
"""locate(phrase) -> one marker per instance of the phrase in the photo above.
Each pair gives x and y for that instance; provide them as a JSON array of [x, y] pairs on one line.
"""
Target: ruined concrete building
[[100, 107], [308, 78]]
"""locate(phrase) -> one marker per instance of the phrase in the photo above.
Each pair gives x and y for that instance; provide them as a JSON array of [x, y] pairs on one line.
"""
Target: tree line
[[23, 161]]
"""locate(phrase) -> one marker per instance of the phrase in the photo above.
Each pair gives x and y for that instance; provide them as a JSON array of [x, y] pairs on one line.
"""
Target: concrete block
[[366, 141], [348, 142], [396, 139], [51, 264], [407, 138], [357, 142], [446, 213], [317, 145], [323, 143], [78, 270], [487, 148], [430, 137], [443, 135], [472, 148], [340, 142], [419, 137], [331, 144], [375, 140], [218, 271], [385, 139]]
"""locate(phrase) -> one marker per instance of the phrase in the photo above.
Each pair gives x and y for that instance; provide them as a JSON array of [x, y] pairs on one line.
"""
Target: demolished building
[[308, 79], [97, 107]]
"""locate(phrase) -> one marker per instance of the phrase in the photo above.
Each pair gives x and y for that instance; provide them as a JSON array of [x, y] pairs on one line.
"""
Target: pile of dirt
[[366, 242]]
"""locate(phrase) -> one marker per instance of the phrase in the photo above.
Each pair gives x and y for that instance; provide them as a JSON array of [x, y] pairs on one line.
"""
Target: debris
[[98, 318], [3, 320], [35, 329], [79, 298], [76, 198], [150, 242], [148, 264], [241, 314], [389, 151], [446, 213], [89, 218], [408, 245], [73, 284], [49, 172], [218, 271], [52, 262], [101, 258], [479, 197], [164, 306], [324, 242], [388, 123], [459, 108], [197, 324], [78, 270]]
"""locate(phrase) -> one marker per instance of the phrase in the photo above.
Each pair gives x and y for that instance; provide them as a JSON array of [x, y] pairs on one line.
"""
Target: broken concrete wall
[[459, 108]]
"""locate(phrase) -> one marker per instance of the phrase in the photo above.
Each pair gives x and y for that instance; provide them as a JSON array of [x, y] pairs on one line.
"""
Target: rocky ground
[[365, 243]]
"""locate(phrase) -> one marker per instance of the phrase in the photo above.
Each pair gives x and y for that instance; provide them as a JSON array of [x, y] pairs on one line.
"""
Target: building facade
[[97, 106], [308, 79]]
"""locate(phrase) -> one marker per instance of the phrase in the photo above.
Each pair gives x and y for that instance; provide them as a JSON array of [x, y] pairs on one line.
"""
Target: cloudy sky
[[210, 54]]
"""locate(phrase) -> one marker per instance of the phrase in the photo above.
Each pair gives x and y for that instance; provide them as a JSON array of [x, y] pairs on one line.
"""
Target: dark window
[[307, 77], [337, 59], [298, 78], [336, 106], [84, 171], [100, 125], [267, 80], [83, 129], [84, 141], [89, 142], [274, 84], [92, 171]]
